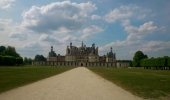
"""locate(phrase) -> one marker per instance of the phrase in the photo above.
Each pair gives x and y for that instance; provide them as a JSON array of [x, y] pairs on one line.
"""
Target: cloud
[[91, 30], [4, 25], [58, 17], [129, 7], [95, 17], [142, 16], [31, 49], [116, 14], [6, 4], [47, 38], [70, 38], [135, 39], [156, 46], [125, 22], [31, 45], [126, 12], [18, 36], [142, 31]]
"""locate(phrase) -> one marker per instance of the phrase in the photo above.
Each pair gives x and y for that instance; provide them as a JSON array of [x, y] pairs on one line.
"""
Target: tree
[[138, 57], [2, 48], [19, 60], [27, 60], [10, 51], [40, 58]]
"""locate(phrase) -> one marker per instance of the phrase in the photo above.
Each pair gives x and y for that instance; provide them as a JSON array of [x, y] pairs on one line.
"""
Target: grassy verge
[[12, 77], [144, 83]]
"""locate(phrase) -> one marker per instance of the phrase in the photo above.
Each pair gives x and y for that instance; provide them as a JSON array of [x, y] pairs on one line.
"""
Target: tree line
[[156, 63], [141, 60], [9, 57]]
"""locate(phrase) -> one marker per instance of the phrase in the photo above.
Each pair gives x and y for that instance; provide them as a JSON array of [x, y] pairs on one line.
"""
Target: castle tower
[[82, 44], [70, 45], [111, 49], [51, 48]]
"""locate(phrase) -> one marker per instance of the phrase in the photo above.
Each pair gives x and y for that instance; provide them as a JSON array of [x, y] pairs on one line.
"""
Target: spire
[[82, 44], [111, 49], [70, 44], [51, 48]]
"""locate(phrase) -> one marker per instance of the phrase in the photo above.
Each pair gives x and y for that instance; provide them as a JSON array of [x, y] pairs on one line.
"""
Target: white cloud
[[70, 38], [129, 7], [126, 12], [95, 17], [31, 49], [142, 16], [32, 45], [116, 14], [58, 17], [156, 46], [135, 39], [125, 22], [4, 25], [18, 36], [91, 30], [47, 38], [142, 31], [6, 4]]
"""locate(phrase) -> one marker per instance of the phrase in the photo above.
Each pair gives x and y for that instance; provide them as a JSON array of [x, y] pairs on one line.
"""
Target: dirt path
[[76, 84]]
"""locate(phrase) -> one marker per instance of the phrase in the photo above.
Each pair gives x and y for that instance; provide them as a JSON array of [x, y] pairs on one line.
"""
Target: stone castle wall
[[85, 64]]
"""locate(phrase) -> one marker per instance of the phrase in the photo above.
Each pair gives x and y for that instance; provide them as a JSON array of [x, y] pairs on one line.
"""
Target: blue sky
[[127, 26]]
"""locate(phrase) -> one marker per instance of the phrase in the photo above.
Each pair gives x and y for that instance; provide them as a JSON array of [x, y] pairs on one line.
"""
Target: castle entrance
[[81, 64]]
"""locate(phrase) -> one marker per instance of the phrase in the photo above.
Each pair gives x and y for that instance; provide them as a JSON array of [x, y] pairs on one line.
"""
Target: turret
[[111, 49], [70, 45], [97, 50], [51, 48], [82, 44], [67, 50]]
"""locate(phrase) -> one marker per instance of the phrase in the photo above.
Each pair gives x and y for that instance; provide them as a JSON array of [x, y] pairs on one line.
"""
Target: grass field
[[12, 77], [144, 83]]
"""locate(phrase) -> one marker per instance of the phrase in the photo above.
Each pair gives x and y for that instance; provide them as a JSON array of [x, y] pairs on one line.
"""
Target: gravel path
[[76, 84]]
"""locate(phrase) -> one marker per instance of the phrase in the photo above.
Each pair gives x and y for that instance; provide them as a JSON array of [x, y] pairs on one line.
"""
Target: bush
[[10, 60]]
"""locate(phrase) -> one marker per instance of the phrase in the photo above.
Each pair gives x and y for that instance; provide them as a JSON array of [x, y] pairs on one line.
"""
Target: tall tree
[[138, 57], [2, 48], [10, 51], [25, 60], [40, 58]]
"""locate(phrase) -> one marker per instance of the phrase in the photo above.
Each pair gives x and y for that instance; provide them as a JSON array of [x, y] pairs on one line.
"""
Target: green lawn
[[142, 82], [12, 77]]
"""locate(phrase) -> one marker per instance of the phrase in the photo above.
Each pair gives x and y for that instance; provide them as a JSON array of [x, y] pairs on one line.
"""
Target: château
[[81, 56]]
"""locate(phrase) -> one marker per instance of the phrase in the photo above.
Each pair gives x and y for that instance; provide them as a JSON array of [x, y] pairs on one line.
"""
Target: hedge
[[155, 62], [10, 60]]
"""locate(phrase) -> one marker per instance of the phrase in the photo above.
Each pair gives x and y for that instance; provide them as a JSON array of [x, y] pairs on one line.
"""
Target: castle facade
[[81, 56]]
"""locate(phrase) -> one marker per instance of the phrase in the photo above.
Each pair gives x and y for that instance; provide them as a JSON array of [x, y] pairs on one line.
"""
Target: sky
[[33, 26]]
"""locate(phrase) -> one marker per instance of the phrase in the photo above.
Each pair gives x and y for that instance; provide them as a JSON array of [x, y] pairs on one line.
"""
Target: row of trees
[[155, 62], [9, 56], [10, 60], [141, 60], [27, 61]]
